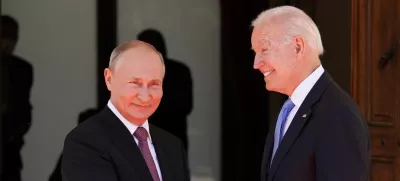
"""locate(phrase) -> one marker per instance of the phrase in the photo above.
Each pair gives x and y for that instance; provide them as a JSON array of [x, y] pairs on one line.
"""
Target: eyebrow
[[155, 80], [136, 78], [264, 41]]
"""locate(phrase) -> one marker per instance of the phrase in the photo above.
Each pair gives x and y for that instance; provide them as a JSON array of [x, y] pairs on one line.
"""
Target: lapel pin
[[304, 115]]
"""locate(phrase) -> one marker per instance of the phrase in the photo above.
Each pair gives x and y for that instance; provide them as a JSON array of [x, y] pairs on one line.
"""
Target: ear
[[299, 45], [108, 78]]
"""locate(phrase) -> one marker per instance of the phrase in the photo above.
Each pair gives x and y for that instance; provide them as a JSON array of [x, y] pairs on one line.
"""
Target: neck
[[137, 122], [298, 78]]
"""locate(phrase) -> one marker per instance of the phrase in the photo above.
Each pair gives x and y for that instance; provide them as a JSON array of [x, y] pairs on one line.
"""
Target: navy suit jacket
[[328, 140]]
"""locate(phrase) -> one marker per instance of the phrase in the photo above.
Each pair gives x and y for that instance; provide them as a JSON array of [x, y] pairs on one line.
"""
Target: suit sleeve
[[342, 150], [84, 160]]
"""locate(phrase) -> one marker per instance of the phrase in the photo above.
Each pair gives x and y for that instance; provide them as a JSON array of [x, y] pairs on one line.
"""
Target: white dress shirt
[[132, 128], [301, 92]]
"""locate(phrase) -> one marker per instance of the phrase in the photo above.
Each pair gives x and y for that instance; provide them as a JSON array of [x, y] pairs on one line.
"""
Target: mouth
[[142, 106], [268, 73]]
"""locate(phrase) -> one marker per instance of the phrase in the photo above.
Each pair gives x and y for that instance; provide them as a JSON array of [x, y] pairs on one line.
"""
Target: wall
[[191, 30], [58, 38]]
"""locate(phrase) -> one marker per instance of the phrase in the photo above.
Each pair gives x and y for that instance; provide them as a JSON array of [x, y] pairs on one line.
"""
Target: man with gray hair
[[118, 144], [320, 134]]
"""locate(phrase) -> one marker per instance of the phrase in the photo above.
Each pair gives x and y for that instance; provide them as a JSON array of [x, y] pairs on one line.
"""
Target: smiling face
[[135, 83], [277, 57]]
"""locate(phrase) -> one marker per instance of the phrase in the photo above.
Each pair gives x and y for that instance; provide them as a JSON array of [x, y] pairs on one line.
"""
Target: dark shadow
[[245, 101], [177, 101], [17, 80], [83, 116]]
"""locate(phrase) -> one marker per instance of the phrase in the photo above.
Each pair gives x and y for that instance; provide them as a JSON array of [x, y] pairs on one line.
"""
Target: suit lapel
[[125, 142], [289, 138], [161, 148], [298, 122]]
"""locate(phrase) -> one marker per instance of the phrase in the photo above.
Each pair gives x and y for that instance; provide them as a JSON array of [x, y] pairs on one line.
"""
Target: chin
[[270, 88], [139, 115], [267, 86]]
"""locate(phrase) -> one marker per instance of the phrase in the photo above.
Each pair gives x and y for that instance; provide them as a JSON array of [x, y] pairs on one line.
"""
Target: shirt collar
[[301, 92], [131, 127]]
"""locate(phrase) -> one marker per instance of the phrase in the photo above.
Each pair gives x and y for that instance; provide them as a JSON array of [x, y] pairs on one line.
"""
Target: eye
[[156, 84], [264, 50], [134, 82]]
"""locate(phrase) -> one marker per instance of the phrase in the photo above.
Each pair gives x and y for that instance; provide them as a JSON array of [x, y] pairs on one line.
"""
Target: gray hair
[[295, 22], [123, 47]]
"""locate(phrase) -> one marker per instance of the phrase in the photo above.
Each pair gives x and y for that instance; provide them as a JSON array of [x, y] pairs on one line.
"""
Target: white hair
[[295, 22]]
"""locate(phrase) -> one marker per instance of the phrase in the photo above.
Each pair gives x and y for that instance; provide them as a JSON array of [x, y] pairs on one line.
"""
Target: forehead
[[140, 63], [265, 35]]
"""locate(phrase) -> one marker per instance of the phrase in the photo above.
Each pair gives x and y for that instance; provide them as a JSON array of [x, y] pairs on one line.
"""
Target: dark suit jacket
[[103, 149], [328, 140]]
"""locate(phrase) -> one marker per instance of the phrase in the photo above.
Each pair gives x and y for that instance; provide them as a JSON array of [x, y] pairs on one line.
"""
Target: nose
[[144, 95], [258, 63]]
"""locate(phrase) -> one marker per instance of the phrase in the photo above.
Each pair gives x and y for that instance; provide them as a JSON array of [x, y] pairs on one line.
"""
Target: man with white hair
[[319, 134]]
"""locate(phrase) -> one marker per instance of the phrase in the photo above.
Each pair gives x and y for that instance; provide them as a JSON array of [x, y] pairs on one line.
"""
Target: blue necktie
[[280, 124]]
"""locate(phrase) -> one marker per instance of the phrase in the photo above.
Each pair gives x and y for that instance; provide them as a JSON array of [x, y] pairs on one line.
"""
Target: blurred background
[[63, 46]]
